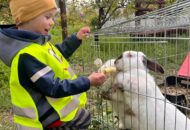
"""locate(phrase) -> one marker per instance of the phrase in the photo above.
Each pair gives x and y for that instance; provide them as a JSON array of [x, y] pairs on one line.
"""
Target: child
[[45, 92]]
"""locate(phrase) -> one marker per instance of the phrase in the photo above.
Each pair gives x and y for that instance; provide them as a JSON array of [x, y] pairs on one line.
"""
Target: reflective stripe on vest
[[40, 73], [46, 112], [72, 105], [47, 69], [26, 112], [20, 127]]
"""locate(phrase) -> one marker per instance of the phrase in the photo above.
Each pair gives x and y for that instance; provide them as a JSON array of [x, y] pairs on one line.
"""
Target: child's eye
[[47, 17], [53, 19]]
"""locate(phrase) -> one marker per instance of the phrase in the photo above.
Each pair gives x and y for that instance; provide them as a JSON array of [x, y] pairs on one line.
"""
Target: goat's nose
[[129, 55]]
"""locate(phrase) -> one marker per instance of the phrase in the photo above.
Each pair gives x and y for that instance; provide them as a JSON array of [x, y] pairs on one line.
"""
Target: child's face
[[43, 23]]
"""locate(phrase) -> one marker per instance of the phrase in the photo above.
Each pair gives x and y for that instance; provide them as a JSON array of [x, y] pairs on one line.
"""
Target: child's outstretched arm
[[70, 44], [97, 79], [30, 76]]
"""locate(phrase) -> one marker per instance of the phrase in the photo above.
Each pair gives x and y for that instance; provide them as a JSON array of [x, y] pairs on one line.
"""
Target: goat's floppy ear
[[152, 65], [118, 58]]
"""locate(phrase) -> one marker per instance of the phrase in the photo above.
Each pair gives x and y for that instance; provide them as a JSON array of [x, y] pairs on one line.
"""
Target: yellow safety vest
[[26, 114]]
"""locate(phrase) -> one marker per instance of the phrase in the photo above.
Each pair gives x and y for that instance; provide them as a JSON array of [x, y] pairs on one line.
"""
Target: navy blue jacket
[[13, 40]]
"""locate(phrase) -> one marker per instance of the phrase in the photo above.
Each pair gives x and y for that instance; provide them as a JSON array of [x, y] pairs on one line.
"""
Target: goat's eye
[[129, 55]]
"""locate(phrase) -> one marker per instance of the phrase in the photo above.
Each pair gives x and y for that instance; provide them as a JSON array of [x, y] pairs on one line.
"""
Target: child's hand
[[97, 79], [83, 33]]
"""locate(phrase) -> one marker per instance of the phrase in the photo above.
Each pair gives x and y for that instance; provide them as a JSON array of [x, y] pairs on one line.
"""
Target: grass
[[6, 122], [4, 93]]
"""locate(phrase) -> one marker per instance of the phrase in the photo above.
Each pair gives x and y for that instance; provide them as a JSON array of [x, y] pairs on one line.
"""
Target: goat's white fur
[[142, 96], [115, 98], [108, 83], [108, 63]]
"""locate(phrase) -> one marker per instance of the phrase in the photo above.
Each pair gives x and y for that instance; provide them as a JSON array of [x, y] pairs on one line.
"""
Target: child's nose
[[52, 22]]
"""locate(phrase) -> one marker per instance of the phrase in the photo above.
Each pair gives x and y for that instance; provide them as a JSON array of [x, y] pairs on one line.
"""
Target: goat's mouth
[[106, 95], [117, 66], [118, 69]]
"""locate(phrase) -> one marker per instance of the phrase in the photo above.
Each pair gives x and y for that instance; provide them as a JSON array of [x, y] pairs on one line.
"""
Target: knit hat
[[26, 10]]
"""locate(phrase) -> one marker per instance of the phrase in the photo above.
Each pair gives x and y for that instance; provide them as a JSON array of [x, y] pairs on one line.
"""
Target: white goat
[[108, 83], [138, 99], [110, 94]]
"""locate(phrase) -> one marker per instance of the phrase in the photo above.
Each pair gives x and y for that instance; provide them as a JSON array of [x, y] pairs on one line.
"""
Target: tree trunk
[[100, 17], [62, 5]]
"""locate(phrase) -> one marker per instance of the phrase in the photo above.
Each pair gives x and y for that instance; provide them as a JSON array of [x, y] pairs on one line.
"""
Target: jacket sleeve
[[69, 45], [41, 77]]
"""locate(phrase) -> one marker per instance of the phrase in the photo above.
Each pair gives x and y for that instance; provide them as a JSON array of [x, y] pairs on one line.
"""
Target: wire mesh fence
[[163, 36], [170, 52]]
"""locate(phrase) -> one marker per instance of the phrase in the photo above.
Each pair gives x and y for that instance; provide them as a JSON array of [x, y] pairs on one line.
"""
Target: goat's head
[[129, 60]]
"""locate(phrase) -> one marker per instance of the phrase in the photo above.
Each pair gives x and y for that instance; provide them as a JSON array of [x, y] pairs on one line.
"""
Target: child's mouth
[[47, 30]]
